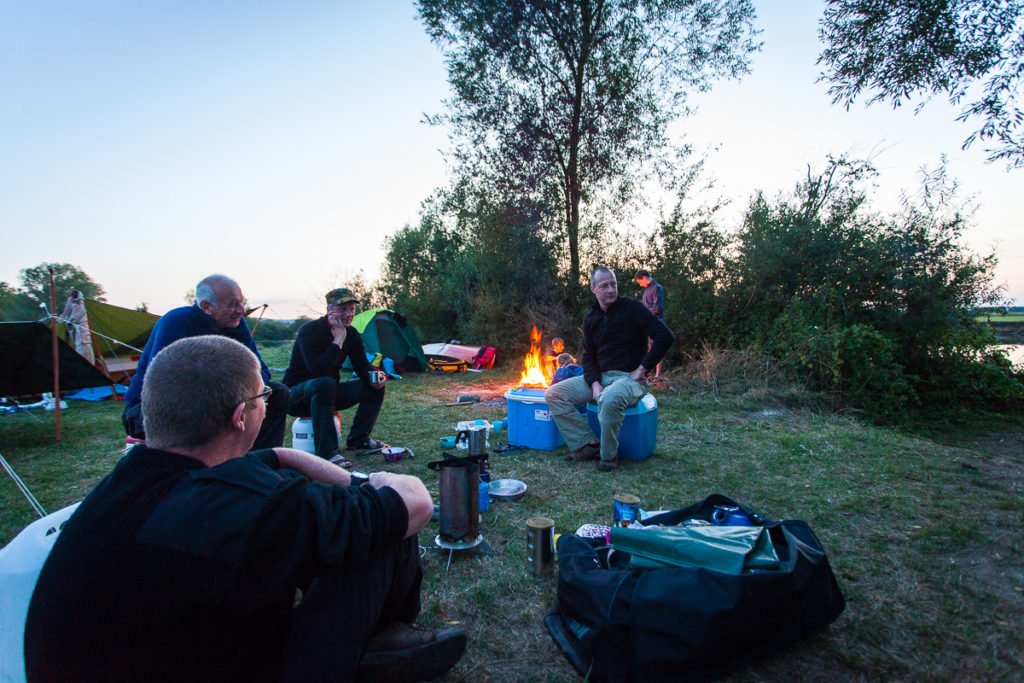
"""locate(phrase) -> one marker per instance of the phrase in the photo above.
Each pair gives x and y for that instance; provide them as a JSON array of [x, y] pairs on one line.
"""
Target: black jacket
[[316, 355], [173, 571], [616, 339]]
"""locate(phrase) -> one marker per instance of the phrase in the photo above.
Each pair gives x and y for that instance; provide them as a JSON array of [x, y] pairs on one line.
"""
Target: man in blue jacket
[[219, 309]]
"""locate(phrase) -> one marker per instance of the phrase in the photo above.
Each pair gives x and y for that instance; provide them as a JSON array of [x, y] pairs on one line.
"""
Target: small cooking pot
[[395, 453]]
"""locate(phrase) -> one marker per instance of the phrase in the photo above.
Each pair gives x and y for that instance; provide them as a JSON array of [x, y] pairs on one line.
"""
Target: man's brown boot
[[402, 652], [590, 451]]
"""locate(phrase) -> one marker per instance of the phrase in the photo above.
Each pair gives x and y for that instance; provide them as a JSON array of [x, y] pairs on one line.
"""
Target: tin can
[[540, 547], [627, 509], [375, 376]]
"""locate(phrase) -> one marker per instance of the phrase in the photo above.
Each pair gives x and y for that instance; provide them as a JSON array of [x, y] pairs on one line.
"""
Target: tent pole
[[264, 310], [56, 363]]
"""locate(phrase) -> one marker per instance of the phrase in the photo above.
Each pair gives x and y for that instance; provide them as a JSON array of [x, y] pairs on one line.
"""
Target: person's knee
[[612, 406], [556, 395], [280, 399], [322, 389], [131, 418]]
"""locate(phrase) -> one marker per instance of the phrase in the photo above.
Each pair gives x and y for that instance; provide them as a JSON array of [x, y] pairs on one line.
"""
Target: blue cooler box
[[639, 428], [530, 424]]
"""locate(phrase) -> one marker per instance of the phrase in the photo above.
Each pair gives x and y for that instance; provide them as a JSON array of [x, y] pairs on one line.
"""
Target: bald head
[[221, 298]]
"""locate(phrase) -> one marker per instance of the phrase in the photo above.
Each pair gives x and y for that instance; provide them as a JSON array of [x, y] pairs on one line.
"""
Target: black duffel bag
[[688, 623]]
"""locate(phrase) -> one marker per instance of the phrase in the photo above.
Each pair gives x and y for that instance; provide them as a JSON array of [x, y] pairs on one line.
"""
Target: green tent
[[118, 337], [392, 336], [118, 331]]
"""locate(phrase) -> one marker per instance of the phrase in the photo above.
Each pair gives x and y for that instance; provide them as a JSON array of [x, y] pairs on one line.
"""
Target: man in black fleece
[[184, 563], [314, 378], [616, 362]]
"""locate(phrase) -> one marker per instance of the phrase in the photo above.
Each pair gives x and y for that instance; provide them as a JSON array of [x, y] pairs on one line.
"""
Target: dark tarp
[[26, 362]]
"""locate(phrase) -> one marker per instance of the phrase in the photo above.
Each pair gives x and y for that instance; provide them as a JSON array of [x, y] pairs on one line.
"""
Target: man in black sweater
[[616, 361], [184, 563], [314, 378]]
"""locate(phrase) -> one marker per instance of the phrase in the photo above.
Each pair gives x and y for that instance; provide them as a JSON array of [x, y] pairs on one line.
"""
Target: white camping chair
[[21, 560]]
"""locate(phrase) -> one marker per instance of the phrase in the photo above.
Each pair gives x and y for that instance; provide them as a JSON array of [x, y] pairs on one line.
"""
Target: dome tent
[[391, 335]]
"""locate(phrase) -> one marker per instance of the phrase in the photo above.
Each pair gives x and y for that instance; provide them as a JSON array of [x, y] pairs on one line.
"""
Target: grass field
[[924, 530], [1011, 317]]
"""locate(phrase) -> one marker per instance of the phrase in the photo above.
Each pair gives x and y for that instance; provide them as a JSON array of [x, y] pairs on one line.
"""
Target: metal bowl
[[507, 489]]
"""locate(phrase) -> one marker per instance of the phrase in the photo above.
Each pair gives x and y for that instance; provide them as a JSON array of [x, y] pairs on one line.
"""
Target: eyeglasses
[[265, 395]]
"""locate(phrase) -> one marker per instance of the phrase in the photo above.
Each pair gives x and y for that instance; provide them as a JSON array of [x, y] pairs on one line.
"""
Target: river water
[[1015, 352]]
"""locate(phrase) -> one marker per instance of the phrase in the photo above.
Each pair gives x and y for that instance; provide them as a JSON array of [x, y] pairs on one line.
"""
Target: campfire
[[533, 365]]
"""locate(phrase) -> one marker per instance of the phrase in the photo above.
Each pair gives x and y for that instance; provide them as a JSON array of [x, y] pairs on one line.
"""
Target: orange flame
[[533, 365]]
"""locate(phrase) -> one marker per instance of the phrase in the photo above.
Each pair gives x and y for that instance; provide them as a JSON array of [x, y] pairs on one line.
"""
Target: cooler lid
[[525, 395]]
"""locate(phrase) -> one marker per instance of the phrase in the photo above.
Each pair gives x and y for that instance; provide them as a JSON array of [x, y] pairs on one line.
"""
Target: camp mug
[[475, 439], [540, 547], [729, 515], [627, 507]]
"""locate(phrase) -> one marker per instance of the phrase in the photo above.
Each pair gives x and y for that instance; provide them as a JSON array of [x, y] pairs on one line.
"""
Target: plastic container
[[530, 424], [302, 433], [484, 500], [639, 428]]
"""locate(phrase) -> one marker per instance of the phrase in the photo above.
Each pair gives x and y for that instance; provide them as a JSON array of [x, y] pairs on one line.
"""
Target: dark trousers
[[327, 633], [271, 431], [320, 397]]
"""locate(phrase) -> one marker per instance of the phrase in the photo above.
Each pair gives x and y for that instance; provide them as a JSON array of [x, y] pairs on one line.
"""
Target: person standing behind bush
[[654, 300]]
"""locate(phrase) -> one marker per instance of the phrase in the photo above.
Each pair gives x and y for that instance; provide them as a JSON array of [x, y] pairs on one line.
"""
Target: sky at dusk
[[152, 144]]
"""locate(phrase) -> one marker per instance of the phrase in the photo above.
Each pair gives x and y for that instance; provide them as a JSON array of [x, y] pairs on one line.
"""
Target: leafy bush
[[877, 310]]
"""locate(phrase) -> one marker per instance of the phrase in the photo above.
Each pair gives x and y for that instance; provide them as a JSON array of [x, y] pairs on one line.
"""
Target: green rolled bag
[[730, 549]]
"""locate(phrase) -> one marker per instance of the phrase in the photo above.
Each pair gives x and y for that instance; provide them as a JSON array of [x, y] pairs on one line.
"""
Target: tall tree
[[567, 100], [898, 50], [35, 282], [16, 305]]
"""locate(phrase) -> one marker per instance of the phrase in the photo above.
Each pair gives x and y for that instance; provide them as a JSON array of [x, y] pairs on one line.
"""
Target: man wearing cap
[[314, 378], [219, 309]]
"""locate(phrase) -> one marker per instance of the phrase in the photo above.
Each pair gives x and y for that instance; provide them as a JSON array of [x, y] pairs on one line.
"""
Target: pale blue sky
[[154, 143]]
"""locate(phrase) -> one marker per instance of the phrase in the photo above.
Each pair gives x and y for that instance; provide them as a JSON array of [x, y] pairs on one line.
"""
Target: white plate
[[507, 489]]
